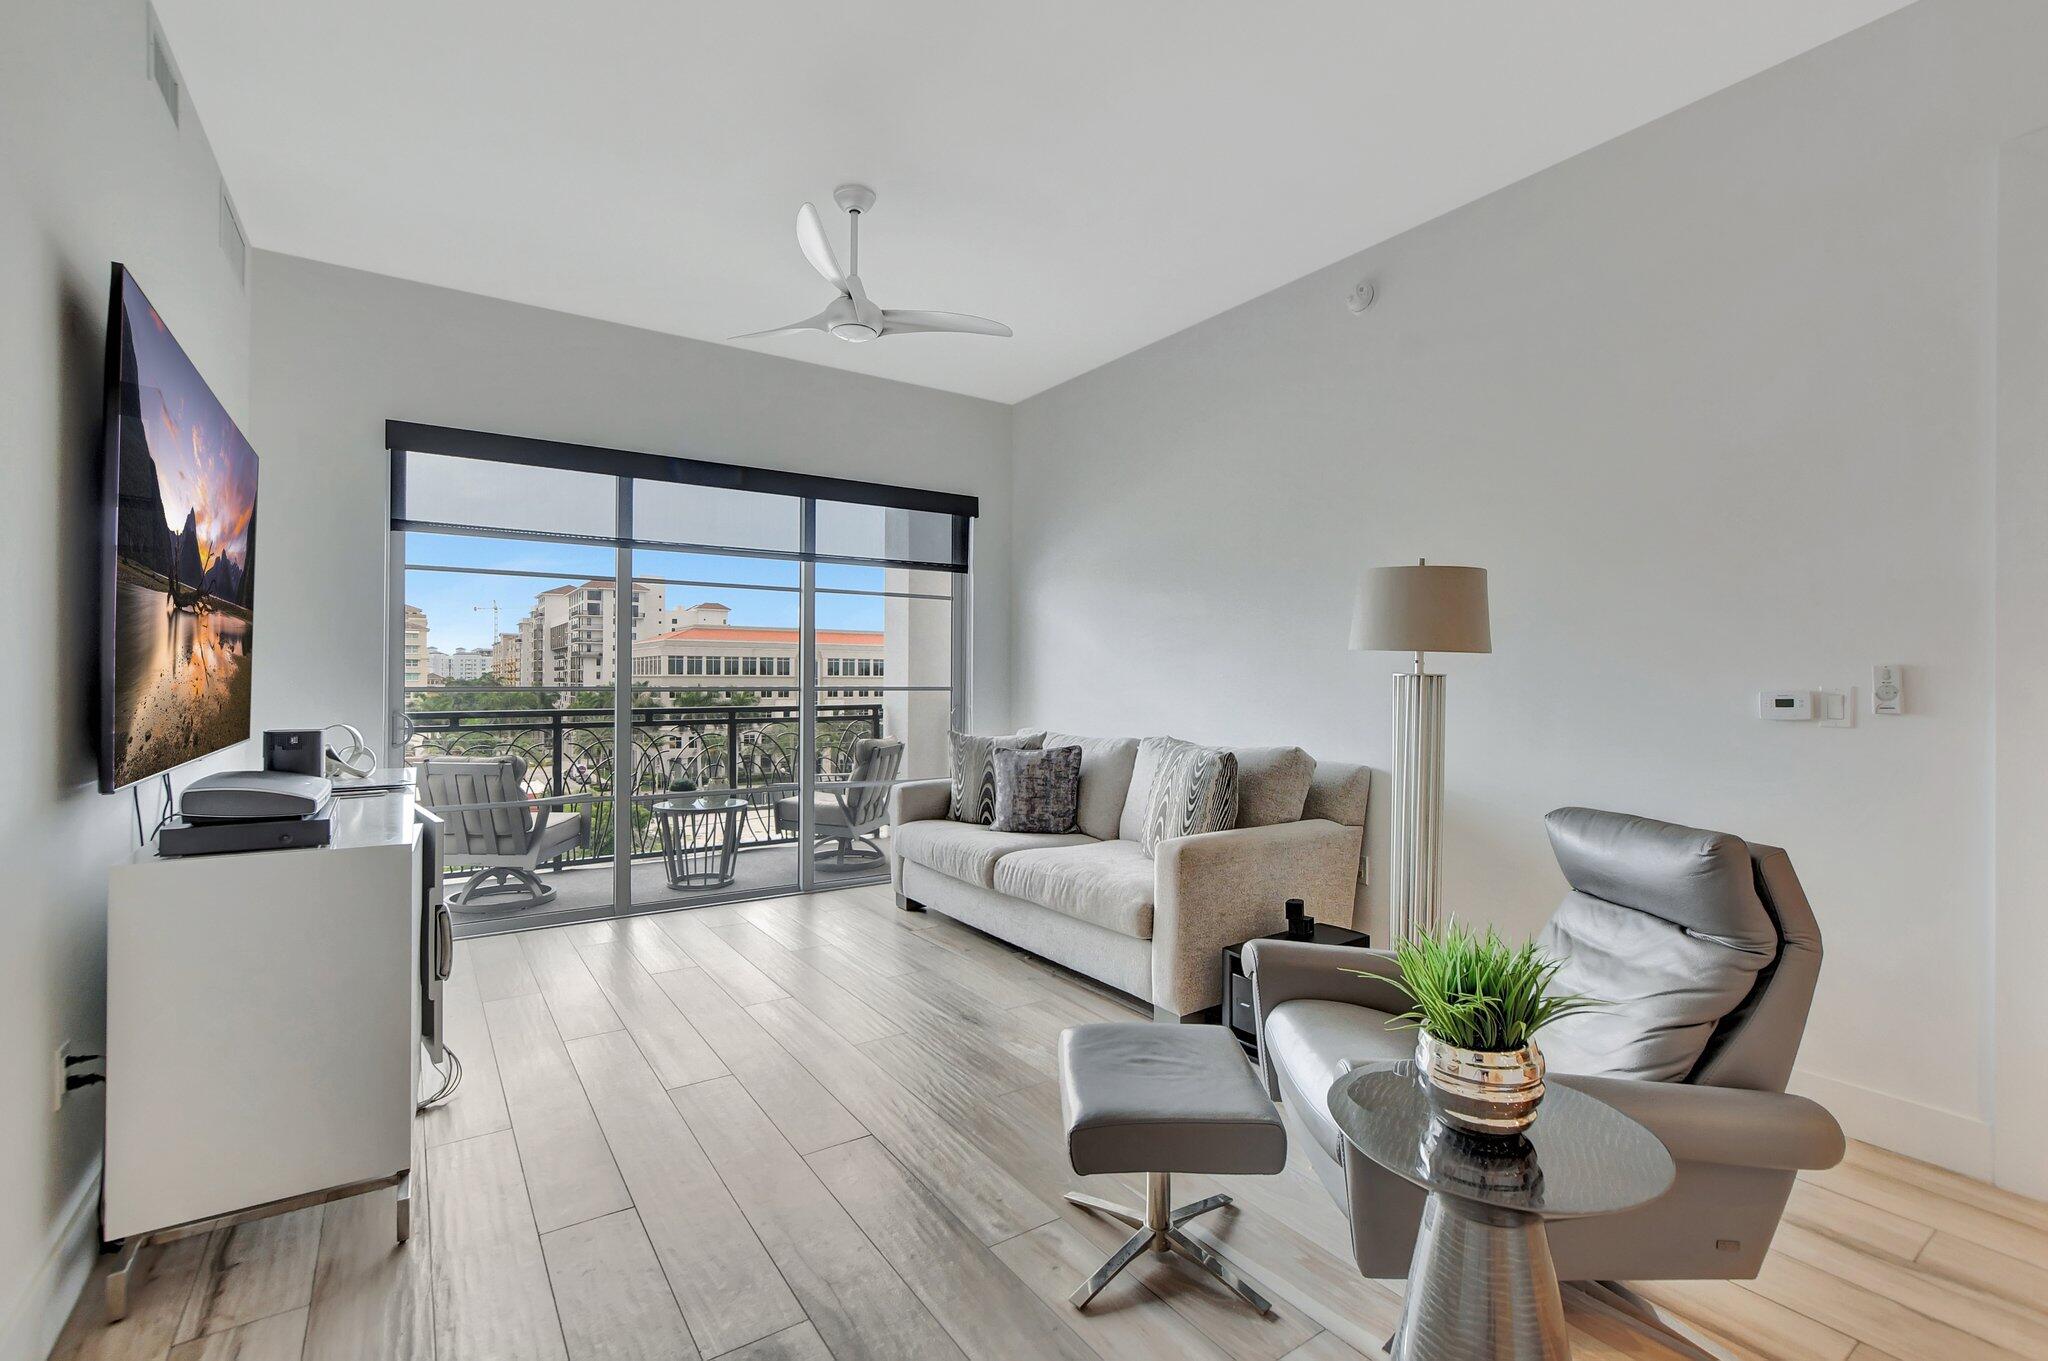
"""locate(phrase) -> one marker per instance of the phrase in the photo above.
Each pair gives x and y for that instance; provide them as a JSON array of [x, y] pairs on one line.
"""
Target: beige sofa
[[1151, 926]]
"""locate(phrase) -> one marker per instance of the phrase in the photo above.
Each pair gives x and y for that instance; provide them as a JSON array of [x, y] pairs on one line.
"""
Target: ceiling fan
[[851, 317]]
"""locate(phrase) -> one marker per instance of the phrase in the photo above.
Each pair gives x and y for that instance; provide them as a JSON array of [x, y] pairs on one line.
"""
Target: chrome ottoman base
[[1158, 1228], [1160, 1099]]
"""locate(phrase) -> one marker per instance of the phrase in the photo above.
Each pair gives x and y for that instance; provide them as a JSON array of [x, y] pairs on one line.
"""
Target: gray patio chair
[[849, 813], [492, 822]]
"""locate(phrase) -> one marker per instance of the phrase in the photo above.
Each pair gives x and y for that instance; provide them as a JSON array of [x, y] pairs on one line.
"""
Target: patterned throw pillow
[[1037, 791], [1194, 790], [974, 774]]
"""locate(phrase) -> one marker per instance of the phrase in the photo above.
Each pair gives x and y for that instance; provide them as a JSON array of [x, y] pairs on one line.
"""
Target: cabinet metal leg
[[404, 1194], [117, 1277]]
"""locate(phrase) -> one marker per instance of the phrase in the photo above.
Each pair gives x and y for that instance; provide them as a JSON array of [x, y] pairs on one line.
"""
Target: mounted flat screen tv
[[178, 555]]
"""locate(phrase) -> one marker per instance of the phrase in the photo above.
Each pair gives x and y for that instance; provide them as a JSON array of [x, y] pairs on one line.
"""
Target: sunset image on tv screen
[[184, 557]]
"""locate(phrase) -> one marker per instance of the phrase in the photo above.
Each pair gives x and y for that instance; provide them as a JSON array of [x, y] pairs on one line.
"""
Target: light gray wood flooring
[[816, 1127]]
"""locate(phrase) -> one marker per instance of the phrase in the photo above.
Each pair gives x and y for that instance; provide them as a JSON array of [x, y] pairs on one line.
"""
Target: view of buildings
[[415, 645], [569, 639]]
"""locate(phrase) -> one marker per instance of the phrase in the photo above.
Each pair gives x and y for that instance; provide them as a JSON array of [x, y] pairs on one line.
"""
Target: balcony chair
[[492, 822], [1706, 951], [849, 813]]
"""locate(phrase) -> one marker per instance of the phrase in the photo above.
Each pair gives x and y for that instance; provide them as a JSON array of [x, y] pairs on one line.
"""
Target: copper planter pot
[[1481, 1091]]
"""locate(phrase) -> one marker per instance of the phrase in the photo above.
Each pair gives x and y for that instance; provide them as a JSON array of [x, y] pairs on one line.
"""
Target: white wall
[[2020, 935], [339, 351], [92, 170], [1713, 402]]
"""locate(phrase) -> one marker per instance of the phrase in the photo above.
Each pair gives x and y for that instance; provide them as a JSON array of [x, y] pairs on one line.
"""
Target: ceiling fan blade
[[907, 322], [810, 238], [817, 323]]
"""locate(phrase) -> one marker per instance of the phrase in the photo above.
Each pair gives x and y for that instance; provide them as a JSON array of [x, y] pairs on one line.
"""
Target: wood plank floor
[[816, 1127]]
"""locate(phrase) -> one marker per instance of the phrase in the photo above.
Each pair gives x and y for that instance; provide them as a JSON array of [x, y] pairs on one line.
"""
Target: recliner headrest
[[1698, 880]]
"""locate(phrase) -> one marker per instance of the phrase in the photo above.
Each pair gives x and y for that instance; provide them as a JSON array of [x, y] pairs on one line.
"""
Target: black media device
[[181, 837], [296, 751]]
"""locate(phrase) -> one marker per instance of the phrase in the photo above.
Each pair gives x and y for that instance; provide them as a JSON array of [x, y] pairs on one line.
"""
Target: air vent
[[160, 68], [233, 243]]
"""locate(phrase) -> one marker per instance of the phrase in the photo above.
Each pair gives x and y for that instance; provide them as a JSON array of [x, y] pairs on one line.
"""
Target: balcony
[[749, 752]]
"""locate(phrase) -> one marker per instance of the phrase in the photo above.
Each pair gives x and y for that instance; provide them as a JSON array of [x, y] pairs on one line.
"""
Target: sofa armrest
[[1223, 888], [1726, 1125], [920, 801], [914, 801]]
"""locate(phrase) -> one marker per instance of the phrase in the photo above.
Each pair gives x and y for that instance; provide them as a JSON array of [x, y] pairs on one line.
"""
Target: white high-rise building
[[570, 636]]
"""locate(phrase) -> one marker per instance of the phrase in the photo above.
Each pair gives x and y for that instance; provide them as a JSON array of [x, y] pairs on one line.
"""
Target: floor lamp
[[1419, 609]]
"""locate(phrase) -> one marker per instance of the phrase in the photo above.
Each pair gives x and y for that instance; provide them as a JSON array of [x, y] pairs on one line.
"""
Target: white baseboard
[[38, 1313], [1961, 1143]]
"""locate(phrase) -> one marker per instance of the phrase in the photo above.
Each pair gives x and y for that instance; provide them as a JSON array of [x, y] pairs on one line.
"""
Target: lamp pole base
[[1412, 897]]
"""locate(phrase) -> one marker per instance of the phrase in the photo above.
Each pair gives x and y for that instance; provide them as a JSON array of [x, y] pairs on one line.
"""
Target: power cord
[[143, 838], [451, 1078]]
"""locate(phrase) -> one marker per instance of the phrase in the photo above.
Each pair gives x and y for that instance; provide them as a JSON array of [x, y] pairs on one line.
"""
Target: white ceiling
[[1097, 174]]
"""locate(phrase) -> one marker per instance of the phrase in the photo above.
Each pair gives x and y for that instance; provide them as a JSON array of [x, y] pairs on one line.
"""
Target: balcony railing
[[750, 751]]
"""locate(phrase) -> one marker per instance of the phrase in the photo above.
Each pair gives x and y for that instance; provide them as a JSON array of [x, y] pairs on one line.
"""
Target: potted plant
[[1478, 1005]]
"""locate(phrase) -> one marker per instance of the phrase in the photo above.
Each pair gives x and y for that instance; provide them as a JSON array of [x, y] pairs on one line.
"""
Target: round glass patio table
[[700, 840], [1481, 1283]]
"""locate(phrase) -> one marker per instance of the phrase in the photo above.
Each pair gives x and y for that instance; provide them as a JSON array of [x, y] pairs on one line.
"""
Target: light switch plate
[[1835, 708]]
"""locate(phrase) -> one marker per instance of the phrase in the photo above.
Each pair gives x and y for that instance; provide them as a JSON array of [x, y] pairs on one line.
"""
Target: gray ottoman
[[1161, 1099]]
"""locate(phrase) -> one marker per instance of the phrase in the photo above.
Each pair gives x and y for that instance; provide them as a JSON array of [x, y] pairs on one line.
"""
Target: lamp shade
[[1421, 609]]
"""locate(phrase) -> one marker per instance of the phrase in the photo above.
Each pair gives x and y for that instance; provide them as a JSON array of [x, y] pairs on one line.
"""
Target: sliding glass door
[[730, 725]]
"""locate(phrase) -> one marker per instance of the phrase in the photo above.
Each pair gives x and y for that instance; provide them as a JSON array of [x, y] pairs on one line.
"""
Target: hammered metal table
[[700, 840], [1481, 1286]]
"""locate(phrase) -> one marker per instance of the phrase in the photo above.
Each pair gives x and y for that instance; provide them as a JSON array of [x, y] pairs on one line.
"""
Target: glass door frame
[[626, 469]]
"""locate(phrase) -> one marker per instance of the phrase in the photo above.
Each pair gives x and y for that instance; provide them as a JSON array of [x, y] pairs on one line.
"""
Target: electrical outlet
[[59, 1070]]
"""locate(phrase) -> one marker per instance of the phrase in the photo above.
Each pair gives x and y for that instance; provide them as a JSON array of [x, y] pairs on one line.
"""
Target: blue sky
[[452, 599]]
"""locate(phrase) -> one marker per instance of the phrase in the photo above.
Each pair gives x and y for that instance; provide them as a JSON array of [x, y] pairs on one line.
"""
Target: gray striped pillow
[[1194, 790], [974, 774]]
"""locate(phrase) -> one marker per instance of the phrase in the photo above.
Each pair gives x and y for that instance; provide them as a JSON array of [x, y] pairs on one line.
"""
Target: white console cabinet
[[264, 1023]]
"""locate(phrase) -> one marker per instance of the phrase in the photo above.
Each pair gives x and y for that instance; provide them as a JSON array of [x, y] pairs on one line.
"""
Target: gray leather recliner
[[1707, 951]]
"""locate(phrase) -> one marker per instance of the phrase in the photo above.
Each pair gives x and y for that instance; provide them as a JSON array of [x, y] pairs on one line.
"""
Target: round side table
[[1481, 1284], [700, 840]]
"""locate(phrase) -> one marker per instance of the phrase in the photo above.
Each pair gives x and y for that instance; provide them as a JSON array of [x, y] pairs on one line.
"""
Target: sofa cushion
[[1103, 883], [1338, 792], [1272, 784], [1130, 823], [968, 851], [1194, 791], [1311, 1043], [974, 774], [1106, 766]]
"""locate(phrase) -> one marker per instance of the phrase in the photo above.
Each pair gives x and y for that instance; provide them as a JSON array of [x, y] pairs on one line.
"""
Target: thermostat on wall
[[1791, 706]]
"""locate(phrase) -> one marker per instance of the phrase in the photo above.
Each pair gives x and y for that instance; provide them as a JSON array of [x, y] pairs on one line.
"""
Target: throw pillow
[[1194, 790], [1037, 791], [974, 774]]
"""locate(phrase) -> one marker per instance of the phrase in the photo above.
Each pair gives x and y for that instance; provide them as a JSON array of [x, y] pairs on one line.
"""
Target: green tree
[[469, 695]]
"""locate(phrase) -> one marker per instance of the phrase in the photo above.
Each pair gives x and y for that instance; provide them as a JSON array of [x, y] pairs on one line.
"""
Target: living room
[[1711, 334]]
